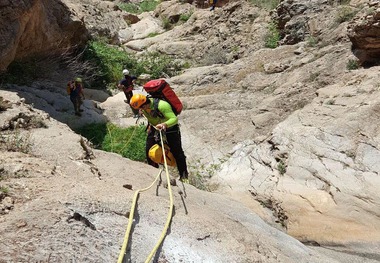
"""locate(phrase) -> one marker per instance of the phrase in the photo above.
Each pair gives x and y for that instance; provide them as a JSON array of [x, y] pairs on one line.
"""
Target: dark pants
[[173, 137], [128, 95], [77, 102], [213, 5]]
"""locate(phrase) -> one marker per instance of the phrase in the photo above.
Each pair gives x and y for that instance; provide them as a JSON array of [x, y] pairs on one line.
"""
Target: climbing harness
[[131, 214]]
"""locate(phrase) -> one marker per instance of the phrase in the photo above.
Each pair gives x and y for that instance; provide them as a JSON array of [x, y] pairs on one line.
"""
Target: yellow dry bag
[[155, 154]]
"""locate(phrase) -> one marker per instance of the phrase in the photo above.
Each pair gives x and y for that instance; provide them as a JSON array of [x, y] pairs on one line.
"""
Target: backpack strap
[[156, 112]]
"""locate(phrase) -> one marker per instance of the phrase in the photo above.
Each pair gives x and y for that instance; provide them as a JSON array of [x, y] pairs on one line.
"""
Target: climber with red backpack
[[162, 116]]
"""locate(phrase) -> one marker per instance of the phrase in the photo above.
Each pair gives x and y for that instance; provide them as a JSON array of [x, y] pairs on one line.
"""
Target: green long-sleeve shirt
[[168, 116]]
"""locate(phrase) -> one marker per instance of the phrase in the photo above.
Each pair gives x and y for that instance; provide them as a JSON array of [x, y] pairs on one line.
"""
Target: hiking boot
[[78, 114], [126, 101], [184, 180], [136, 116]]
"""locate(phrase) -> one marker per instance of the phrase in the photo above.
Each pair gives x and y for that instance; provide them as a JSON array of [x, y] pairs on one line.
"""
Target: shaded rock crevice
[[37, 27]]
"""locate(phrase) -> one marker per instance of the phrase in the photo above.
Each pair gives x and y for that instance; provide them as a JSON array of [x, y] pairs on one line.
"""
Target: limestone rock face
[[29, 27], [300, 20], [140, 30], [206, 3], [65, 197], [318, 171], [43, 27], [296, 135], [172, 11], [102, 18], [207, 37], [364, 33]]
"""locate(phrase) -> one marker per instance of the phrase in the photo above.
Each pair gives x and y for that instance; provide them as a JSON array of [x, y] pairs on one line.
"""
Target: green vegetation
[[370, 11], [169, 23], [273, 36], [166, 23], [14, 141], [313, 76], [153, 34], [281, 167], [158, 65], [128, 142], [344, 2], [110, 61], [185, 17], [200, 173], [36, 122], [345, 13], [312, 41], [330, 102], [266, 4], [100, 64], [352, 64], [138, 8], [214, 55], [23, 71], [4, 190]]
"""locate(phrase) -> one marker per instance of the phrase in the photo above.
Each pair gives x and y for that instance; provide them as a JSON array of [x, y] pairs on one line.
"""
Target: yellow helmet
[[137, 100], [78, 80], [155, 154]]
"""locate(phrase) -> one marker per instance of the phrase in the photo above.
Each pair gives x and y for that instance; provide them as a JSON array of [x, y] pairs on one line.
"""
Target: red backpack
[[160, 89]]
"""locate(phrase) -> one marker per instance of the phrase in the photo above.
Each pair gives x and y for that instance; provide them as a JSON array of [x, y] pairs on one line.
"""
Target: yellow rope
[[129, 140], [127, 143], [109, 131], [170, 215], [131, 214]]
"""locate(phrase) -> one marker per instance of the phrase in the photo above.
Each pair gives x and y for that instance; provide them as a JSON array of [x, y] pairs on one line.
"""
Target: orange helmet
[[137, 100]]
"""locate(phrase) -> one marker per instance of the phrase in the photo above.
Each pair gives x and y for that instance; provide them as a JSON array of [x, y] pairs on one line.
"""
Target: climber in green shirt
[[160, 115]]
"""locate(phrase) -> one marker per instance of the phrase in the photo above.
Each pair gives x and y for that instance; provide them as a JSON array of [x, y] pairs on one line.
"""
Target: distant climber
[[162, 118], [213, 4], [75, 90], [126, 85]]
